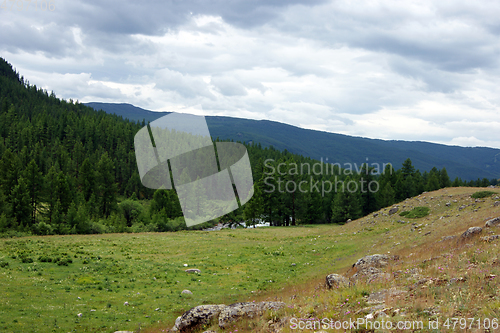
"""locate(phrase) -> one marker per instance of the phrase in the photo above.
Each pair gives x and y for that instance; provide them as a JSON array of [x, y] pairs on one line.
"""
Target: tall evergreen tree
[[106, 187], [34, 183]]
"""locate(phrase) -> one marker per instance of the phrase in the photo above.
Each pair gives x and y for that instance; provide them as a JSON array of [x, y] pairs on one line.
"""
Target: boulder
[[492, 223], [236, 311], [336, 281], [185, 291], [393, 210], [490, 238], [447, 238], [472, 231], [497, 203], [370, 274], [374, 260], [193, 270], [199, 315], [369, 266]]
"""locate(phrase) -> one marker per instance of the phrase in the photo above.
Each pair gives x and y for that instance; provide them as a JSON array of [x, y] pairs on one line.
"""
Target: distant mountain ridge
[[467, 163]]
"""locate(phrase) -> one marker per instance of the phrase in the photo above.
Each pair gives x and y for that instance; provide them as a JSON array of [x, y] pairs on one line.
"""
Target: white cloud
[[412, 70]]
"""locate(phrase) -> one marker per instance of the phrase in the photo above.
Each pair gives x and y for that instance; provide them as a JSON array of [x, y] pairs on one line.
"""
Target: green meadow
[[47, 281]]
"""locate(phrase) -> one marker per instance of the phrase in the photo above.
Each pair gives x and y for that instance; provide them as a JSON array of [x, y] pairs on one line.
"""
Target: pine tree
[[21, 205], [346, 204], [253, 208], [106, 187], [444, 179], [34, 181]]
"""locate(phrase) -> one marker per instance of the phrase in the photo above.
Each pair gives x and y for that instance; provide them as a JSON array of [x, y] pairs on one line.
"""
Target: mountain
[[467, 163]]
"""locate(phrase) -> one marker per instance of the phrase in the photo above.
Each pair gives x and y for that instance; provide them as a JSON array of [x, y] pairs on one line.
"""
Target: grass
[[147, 271], [416, 213], [48, 280]]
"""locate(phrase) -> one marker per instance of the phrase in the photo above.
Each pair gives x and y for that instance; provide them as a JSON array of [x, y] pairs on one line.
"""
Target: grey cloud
[[157, 17], [185, 85], [50, 39], [229, 86]]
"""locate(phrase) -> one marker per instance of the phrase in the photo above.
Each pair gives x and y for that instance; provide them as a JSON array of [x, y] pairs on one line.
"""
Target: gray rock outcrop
[[471, 232], [197, 316], [336, 281], [492, 223], [235, 311]]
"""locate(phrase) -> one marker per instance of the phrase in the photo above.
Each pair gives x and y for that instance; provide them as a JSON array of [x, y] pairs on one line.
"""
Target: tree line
[[66, 168]]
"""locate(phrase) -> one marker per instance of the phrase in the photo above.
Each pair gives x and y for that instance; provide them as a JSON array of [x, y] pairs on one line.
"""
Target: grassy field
[[48, 281], [148, 271]]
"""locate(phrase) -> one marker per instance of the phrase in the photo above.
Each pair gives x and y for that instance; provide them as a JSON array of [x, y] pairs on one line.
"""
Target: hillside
[[388, 268], [465, 163]]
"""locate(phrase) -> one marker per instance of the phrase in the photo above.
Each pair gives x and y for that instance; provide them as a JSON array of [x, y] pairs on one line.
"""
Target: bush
[[416, 213], [482, 194], [26, 260], [4, 264], [64, 262], [44, 258]]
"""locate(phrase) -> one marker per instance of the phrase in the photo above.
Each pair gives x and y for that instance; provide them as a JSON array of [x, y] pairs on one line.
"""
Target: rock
[[379, 297], [448, 204], [336, 281], [393, 210], [209, 332], [185, 291], [375, 215], [176, 325], [124, 331], [492, 222], [199, 315], [497, 203], [368, 267], [447, 238], [462, 207], [371, 309], [490, 238], [374, 260], [457, 280], [126, 303], [193, 270], [472, 231], [370, 274], [246, 309], [80, 315]]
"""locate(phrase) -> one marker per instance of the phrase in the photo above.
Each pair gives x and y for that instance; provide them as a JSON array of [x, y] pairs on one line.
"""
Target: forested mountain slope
[[464, 162]]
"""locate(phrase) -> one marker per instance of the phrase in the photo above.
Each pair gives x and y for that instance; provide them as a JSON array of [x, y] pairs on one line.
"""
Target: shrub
[[4, 264], [482, 194], [44, 258], [26, 260], [416, 213], [64, 261]]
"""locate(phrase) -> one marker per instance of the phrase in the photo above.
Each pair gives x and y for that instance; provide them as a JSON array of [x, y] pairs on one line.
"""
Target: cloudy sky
[[421, 70]]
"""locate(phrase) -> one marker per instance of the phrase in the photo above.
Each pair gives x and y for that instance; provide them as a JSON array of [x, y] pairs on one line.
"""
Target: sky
[[398, 70]]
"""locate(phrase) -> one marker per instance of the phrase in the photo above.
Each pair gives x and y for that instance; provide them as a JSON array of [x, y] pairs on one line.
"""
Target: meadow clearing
[[48, 280]]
